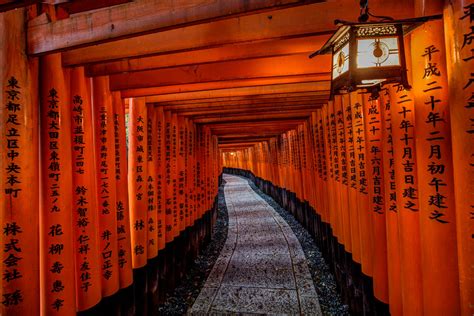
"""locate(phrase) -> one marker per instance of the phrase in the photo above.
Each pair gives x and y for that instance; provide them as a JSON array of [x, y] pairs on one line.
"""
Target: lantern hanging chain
[[364, 13]]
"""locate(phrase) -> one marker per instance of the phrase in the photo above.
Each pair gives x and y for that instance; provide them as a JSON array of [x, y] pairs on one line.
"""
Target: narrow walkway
[[261, 268]]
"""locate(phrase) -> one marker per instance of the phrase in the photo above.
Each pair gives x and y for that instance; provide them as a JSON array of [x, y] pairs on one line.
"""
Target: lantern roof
[[408, 25]]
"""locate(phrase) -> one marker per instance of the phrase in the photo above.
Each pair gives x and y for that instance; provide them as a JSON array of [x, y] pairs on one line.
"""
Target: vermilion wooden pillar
[[181, 173], [343, 173], [375, 176], [352, 178], [191, 174], [174, 174], [323, 166], [458, 27], [365, 218], [168, 179], [160, 177], [105, 175], [19, 170], [391, 207], [329, 166], [406, 184], [152, 152], [435, 172], [85, 211], [137, 175], [121, 182], [332, 188], [58, 296]]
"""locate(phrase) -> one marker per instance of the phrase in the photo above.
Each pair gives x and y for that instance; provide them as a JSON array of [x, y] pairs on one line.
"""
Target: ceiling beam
[[302, 21], [216, 85], [292, 65], [276, 99], [139, 17], [231, 141], [196, 113], [271, 48], [321, 87], [259, 117], [254, 128]]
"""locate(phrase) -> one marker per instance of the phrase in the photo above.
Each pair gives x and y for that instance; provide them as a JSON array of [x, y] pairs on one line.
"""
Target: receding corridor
[[262, 268]]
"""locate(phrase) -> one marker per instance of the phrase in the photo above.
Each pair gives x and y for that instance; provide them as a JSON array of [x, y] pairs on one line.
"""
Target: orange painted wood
[[460, 66], [105, 165], [137, 175], [174, 174], [135, 18], [336, 173], [365, 219], [86, 208], [181, 173], [406, 183], [332, 216], [375, 175], [160, 178], [236, 30], [391, 207], [223, 71], [223, 84], [324, 166], [152, 191], [121, 182], [343, 173], [169, 236], [189, 165], [192, 170], [351, 178], [58, 295], [312, 87], [277, 99], [19, 171], [435, 172], [199, 175], [279, 47]]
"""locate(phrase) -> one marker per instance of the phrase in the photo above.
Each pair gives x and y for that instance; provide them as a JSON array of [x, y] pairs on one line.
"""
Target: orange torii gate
[[114, 135]]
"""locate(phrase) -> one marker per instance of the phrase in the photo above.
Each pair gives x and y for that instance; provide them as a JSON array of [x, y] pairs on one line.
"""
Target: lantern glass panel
[[340, 61], [378, 52]]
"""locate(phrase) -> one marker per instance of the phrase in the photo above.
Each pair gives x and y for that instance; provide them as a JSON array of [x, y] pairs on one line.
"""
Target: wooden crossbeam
[[302, 21], [217, 85], [139, 17], [275, 99], [270, 48], [258, 117], [312, 87], [293, 65], [197, 113]]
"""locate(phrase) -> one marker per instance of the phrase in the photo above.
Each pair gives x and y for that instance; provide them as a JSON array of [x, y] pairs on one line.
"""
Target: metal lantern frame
[[369, 78]]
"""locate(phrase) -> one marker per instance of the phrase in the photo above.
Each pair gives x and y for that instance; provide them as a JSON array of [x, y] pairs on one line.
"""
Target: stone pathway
[[261, 268]]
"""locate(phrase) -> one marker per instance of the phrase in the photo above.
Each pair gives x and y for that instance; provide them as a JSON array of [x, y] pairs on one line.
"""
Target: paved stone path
[[261, 268]]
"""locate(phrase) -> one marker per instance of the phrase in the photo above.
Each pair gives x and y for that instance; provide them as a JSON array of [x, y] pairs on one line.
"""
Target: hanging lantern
[[369, 54]]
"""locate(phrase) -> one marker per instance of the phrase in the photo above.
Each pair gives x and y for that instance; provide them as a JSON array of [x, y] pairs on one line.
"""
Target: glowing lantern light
[[369, 54]]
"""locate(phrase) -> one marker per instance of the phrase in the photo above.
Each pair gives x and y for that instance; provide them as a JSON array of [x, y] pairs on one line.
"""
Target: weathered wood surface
[[139, 17], [288, 23]]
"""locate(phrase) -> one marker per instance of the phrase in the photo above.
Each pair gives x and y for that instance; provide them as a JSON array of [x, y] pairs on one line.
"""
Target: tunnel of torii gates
[[118, 117]]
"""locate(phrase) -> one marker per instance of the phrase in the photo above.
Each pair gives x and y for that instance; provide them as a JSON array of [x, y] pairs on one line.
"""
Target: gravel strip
[[183, 297], [329, 298]]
